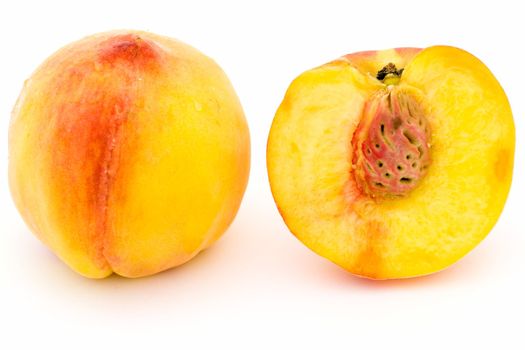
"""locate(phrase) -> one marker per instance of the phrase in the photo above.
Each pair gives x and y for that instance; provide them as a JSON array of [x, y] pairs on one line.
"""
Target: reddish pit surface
[[391, 145]]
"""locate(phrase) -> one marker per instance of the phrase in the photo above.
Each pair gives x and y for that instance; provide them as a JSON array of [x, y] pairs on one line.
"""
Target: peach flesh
[[315, 179]]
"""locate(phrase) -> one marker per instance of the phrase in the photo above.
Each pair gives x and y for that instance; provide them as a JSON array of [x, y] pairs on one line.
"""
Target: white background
[[259, 287]]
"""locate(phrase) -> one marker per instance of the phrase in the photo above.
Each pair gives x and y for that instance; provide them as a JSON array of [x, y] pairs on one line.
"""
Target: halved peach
[[393, 163]]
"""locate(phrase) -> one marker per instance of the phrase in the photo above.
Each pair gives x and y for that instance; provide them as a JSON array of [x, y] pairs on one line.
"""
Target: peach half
[[129, 153], [393, 163]]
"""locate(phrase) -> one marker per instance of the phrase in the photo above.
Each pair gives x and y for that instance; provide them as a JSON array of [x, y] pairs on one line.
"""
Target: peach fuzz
[[129, 153], [393, 163]]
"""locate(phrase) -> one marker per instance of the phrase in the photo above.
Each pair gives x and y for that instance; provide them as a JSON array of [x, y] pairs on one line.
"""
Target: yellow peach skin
[[326, 170], [128, 153]]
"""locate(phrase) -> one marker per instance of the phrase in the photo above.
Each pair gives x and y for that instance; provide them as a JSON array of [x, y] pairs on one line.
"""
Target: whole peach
[[128, 153]]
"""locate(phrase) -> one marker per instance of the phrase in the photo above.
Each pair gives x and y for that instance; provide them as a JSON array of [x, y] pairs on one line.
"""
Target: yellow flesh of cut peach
[[456, 203]]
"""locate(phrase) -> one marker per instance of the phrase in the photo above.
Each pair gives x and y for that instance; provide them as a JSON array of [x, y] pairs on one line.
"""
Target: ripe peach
[[129, 153], [393, 163]]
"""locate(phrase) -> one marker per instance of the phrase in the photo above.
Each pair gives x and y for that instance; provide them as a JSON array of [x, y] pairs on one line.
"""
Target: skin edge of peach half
[[455, 205], [129, 152]]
